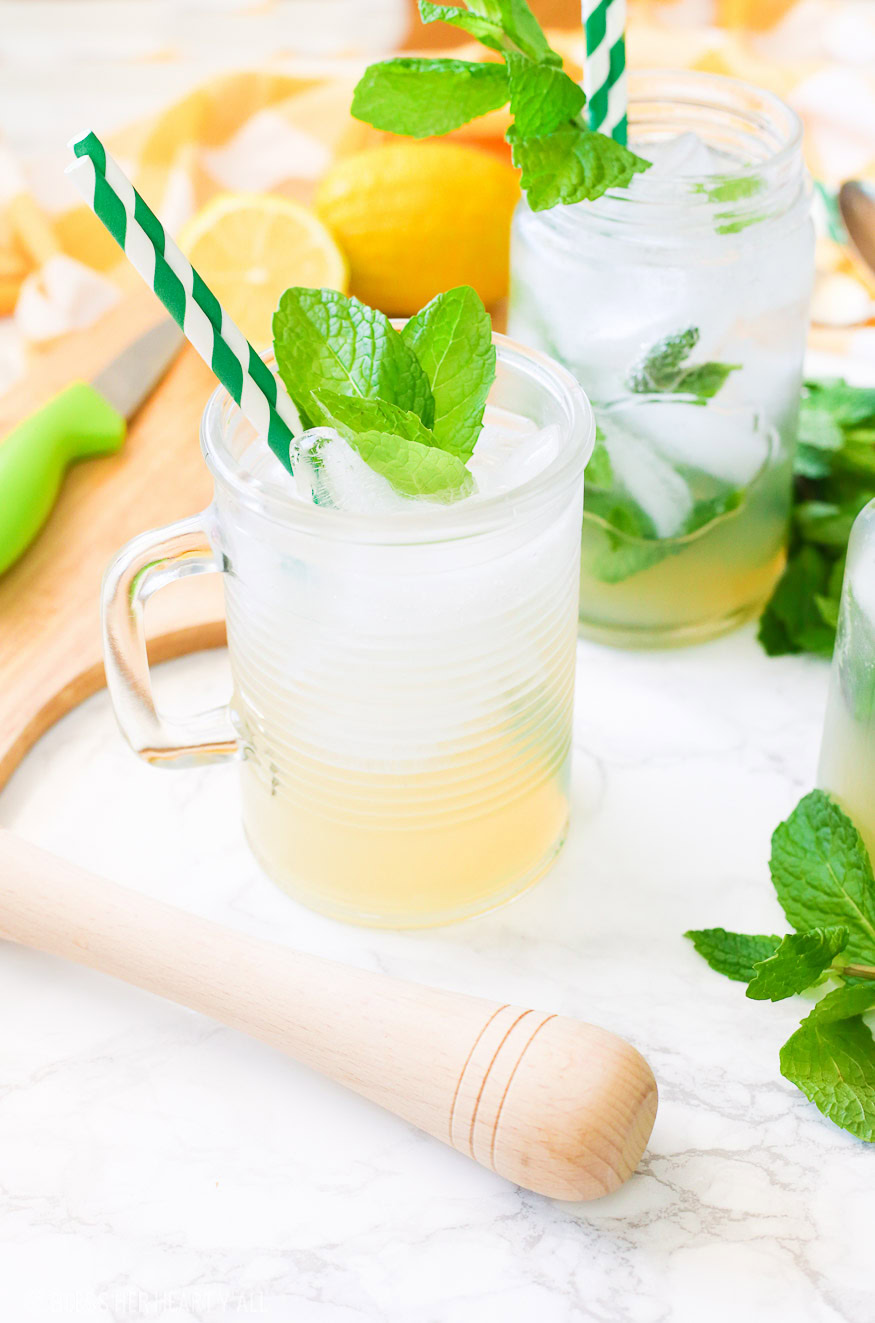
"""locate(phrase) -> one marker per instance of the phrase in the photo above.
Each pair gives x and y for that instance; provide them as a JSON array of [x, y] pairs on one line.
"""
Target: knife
[[85, 420]]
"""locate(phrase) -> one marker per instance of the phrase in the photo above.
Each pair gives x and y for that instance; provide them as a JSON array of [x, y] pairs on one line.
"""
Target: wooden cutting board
[[50, 653]]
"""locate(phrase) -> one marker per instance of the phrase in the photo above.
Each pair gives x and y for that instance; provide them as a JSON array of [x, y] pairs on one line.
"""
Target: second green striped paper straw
[[604, 70], [206, 325]]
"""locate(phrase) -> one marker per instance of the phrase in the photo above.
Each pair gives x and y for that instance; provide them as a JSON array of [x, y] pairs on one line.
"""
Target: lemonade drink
[[847, 757], [404, 671]]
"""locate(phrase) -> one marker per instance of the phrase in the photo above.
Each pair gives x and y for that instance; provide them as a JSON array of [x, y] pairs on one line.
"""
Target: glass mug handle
[[143, 566]]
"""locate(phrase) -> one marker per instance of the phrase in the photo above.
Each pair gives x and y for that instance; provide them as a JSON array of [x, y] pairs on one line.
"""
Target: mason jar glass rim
[[765, 132], [424, 523]]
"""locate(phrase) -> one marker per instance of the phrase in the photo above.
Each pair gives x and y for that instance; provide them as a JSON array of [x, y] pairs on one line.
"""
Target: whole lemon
[[416, 218]]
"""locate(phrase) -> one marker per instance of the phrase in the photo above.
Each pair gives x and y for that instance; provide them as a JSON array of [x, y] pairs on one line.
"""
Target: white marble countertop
[[158, 1166]]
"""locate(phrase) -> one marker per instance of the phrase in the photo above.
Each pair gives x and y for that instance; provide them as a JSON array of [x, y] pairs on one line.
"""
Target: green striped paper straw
[[604, 71], [191, 303]]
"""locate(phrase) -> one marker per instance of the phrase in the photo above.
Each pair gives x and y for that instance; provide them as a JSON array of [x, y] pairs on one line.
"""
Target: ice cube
[[730, 445], [511, 453], [685, 154], [663, 494], [329, 473]]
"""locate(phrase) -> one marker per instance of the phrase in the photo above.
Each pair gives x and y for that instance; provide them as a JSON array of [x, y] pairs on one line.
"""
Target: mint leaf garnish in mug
[[452, 338], [561, 159], [397, 445], [410, 403], [823, 877], [324, 340]]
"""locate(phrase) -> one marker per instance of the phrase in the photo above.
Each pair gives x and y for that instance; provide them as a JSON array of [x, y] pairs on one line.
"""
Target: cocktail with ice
[[401, 609], [680, 303], [847, 756]]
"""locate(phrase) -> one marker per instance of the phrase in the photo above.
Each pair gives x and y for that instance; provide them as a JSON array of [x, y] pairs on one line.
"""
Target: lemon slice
[[249, 247]]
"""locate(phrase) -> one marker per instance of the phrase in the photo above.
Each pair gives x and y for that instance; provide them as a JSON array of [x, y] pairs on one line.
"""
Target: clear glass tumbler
[[847, 755], [691, 286], [403, 682]]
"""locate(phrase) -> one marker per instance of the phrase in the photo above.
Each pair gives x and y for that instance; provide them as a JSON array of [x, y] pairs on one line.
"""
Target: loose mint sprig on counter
[[409, 402], [823, 877], [561, 159]]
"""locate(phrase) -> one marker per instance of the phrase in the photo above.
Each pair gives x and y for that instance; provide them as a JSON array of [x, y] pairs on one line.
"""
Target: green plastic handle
[[76, 424]]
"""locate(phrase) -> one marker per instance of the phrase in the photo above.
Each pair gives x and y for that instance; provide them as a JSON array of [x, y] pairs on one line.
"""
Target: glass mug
[[403, 683]]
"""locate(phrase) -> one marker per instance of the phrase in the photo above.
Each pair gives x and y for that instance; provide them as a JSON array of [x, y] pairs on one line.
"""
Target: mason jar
[[847, 755], [691, 285], [403, 681]]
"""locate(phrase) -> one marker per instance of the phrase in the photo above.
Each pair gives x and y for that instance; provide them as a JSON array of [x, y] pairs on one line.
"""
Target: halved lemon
[[249, 247]]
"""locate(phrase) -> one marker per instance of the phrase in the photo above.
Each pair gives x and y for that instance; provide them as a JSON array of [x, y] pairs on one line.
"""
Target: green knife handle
[[34, 457]]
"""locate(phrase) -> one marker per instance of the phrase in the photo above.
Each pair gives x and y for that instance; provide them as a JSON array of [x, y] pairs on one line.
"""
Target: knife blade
[[85, 420]]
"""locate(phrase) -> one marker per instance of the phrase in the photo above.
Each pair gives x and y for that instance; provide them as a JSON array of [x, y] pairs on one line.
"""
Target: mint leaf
[[324, 340], [571, 164], [662, 370], [395, 444], [818, 427], [542, 97], [833, 1063], [845, 1003], [732, 954], [824, 523], [849, 406], [834, 477], [619, 539], [521, 26], [706, 379], [452, 339], [424, 97], [792, 620], [798, 962], [485, 30], [733, 189], [599, 470], [663, 365], [822, 873]]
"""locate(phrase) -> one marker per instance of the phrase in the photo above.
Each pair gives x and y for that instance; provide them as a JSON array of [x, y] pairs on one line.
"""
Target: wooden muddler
[[561, 1107]]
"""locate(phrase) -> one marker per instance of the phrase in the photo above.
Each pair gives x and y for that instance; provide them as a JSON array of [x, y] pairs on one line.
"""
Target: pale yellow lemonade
[[847, 756], [405, 708]]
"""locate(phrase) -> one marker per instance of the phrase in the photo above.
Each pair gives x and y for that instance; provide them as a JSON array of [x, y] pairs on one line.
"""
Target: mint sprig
[[834, 479], [823, 878], [409, 402], [561, 159], [664, 369]]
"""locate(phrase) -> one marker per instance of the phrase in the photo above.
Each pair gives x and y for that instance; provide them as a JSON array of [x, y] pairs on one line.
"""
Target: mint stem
[[857, 971]]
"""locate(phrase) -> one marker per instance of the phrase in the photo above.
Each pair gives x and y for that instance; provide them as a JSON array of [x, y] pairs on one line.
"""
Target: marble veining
[[156, 1165]]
